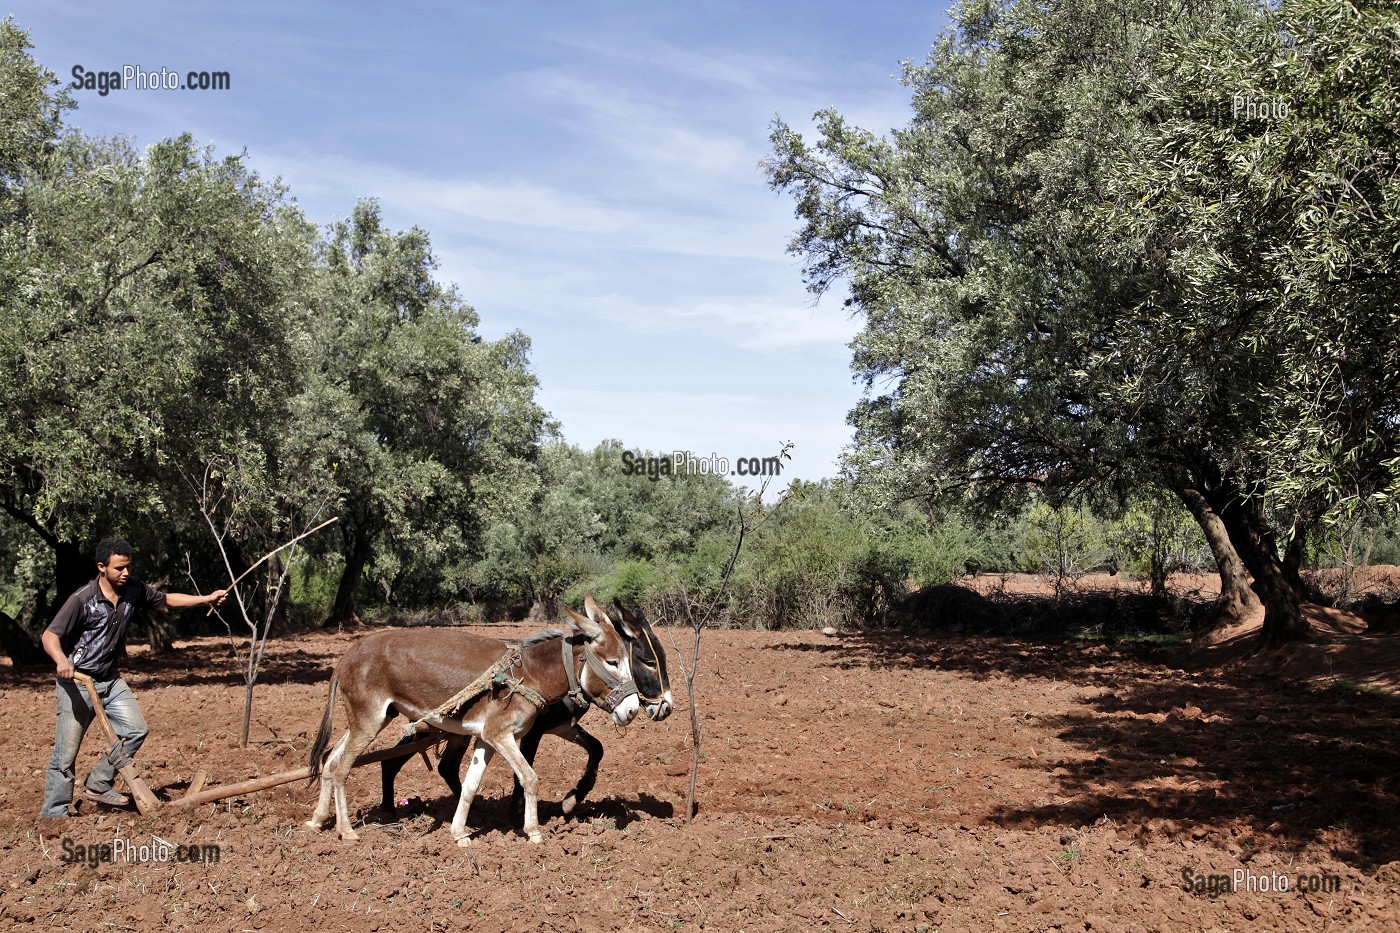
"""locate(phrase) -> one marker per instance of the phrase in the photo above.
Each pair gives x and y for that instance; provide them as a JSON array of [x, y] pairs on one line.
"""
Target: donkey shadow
[[495, 813]]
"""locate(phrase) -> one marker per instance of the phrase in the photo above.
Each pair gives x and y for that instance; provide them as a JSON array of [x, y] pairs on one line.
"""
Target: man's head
[[114, 560]]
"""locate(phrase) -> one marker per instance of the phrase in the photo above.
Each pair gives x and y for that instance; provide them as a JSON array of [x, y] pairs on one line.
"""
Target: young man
[[87, 635]]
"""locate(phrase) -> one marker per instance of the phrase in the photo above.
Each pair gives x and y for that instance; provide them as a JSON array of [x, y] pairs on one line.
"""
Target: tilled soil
[[849, 782]]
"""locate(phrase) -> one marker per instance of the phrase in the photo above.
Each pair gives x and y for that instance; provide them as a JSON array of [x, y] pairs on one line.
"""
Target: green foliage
[[172, 330], [148, 304], [1268, 197], [825, 559], [1157, 536], [969, 242], [1063, 542], [635, 582], [426, 425], [586, 519], [311, 591]]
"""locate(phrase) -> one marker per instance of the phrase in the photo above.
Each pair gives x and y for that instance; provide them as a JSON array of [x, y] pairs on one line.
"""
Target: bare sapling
[[277, 576], [752, 515]]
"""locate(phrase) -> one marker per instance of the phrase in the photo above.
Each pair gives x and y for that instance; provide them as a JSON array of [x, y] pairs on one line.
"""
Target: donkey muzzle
[[616, 697]]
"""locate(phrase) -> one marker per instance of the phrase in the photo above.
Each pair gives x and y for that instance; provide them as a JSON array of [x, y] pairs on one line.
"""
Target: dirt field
[[849, 782]]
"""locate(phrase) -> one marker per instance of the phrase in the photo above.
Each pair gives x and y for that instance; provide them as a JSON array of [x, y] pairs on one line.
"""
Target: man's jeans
[[74, 716]]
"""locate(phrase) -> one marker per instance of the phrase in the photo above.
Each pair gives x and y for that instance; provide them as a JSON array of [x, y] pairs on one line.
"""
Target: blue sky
[[587, 172]]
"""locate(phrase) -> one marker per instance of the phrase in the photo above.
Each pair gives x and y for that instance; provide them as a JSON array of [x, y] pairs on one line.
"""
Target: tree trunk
[[277, 623], [72, 567], [1293, 556], [1236, 600], [160, 635], [545, 609], [1254, 540], [343, 610], [18, 644]]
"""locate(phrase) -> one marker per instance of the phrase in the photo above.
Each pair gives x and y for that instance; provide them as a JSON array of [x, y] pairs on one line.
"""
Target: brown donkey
[[649, 673], [422, 673]]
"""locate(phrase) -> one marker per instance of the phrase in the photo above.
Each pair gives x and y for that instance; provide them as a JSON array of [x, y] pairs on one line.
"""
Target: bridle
[[578, 698]]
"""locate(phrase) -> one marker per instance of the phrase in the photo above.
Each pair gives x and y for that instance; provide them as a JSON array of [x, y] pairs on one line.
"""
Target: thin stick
[[269, 554]]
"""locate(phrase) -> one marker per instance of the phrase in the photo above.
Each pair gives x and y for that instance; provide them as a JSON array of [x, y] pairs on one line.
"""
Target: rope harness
[[495, 676]]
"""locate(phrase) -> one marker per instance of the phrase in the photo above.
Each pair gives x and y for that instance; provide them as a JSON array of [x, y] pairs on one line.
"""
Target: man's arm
[[63, 666], [183, 600], [52, 638]]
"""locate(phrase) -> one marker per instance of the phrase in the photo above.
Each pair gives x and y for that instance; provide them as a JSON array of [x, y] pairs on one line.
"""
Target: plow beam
[[300, 774]]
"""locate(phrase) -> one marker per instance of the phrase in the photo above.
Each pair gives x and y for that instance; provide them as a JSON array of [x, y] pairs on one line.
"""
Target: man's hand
[[64, 669], [216, 597]]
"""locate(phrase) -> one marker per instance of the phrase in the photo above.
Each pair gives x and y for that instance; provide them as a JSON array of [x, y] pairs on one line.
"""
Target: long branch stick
[[269, 554]]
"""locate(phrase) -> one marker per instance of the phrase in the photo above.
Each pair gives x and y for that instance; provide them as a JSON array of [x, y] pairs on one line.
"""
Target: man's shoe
[[111, 797]]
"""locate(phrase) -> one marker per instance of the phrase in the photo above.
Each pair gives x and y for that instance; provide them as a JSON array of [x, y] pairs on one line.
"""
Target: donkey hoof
[[464, 840], [314, 824], [349, 836], [536, 838], [568, 804]]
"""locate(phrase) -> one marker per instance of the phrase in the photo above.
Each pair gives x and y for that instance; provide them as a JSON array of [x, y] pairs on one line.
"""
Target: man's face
[[116, 570]]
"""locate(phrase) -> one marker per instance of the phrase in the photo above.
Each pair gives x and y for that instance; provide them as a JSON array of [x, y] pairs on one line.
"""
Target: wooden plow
[[148, 802]]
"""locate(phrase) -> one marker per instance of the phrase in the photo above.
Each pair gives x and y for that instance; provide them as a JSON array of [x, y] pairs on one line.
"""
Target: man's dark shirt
[[92, 630]]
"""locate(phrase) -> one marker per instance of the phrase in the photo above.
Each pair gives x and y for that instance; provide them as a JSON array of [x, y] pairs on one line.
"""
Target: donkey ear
[[584, 625], [628, 628], [591, 607], [622, 610]]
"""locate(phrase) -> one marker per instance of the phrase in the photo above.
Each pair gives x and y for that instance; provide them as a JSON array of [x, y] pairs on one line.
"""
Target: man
[[88, 635]]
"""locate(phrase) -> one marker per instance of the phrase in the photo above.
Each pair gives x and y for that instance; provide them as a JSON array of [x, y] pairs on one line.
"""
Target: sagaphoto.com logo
[[122, 851], [686, 463], [134, 77]]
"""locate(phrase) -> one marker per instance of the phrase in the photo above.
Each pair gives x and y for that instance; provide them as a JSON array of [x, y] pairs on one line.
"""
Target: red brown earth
[[863, 782]]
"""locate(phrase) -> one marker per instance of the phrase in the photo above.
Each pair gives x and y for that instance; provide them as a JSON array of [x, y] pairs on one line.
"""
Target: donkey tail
[[323, 737]]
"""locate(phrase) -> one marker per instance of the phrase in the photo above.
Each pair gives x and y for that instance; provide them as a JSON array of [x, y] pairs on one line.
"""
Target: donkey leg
[[323, 800], [529, 747], [512, 754], [338, 771], [480, 759], [389, 769], [594, 748], [450, 764]]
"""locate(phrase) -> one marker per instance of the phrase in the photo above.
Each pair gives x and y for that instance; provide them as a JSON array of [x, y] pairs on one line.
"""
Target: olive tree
[[1023, 330]]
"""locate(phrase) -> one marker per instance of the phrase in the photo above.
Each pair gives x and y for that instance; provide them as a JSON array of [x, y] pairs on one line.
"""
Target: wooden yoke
[[146, 801]]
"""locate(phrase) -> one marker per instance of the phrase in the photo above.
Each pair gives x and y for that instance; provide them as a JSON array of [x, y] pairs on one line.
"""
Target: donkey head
[[607, 671], [648, 663]]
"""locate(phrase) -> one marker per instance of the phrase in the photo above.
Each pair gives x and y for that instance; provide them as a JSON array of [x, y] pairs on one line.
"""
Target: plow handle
[[146, 801]]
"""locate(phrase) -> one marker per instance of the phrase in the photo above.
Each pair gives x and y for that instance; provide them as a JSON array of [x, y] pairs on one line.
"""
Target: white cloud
[[521, 209]]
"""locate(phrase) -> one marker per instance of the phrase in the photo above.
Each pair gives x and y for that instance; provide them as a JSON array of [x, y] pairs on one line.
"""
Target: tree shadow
[[985, 657], [208, 663], [1254, 759]]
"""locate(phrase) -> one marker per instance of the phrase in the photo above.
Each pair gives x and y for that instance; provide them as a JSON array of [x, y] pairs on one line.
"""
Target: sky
[[587, 172]]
